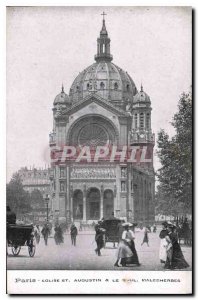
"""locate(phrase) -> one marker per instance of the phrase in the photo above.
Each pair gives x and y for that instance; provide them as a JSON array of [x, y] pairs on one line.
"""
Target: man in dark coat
[[99, 237], [11, 216], [73, 233], [45, 232], [58, 235]]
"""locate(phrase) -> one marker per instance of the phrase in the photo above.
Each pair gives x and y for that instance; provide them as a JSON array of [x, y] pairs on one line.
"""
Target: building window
[[87, 86], [115, 86], [62, 172], [135, 121], [128, 87], [102, 85], [77, 88], [123, 186], [141, 120], [148, 121]]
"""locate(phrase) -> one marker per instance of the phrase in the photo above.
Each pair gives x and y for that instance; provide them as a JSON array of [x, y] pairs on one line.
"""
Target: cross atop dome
[[103, 14], [103, 30], [103, 44]]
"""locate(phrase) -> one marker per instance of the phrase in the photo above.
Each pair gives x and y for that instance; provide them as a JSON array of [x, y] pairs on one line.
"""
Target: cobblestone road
[[83, 257]]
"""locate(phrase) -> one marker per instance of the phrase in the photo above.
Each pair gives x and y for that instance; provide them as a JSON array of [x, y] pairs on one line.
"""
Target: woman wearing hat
[[126, 249], [175, 258], [163, 243]]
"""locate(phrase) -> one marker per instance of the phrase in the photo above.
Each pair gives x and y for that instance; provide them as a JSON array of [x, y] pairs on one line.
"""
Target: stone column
[[138, 120], [101, 201], [71, 202], [130, 196], [67, 197], [144, 120], [116, 201], [84, 203]]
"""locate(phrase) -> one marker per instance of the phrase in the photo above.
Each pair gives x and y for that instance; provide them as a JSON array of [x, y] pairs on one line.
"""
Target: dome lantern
[[103, 44]]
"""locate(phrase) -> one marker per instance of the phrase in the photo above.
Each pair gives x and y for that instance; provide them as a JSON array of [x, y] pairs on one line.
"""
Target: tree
[[175, 154], [17, 198]]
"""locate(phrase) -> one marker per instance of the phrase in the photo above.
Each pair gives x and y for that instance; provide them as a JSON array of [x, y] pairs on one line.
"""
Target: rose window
[[93, 135]]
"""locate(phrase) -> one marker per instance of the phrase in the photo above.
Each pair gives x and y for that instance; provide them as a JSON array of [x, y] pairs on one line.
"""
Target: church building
[[103, 108]]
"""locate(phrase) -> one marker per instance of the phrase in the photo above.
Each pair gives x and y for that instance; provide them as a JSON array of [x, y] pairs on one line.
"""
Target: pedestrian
[[120, 229], [175, 258], [154, 228], [73, 233], [126, 252], [99, 237], [37, 233], [58, 235], [45, 232], [163, 243], [146, 239]]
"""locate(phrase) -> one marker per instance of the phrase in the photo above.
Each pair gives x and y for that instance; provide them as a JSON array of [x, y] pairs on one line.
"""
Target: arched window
[[136, 121], [102, 85], [87, 86], [141, 120], [77, 88], [128, 87], [115, 86], [148, 121]]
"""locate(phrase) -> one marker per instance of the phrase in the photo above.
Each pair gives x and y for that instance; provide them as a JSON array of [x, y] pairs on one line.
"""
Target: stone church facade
[[103, 108]]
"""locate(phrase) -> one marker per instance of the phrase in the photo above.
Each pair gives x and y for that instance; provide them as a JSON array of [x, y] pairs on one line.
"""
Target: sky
[[48, 46]]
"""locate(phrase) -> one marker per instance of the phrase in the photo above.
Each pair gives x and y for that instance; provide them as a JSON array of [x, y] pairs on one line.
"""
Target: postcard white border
[[99, 282], [186, 276]]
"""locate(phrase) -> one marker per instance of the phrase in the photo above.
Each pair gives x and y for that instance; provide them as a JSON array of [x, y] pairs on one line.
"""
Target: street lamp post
[[47, 202]]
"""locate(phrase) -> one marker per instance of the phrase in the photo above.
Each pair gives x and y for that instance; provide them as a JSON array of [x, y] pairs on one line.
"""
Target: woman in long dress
[[126, 252], [163, 243], [175, 258], [146, 239]]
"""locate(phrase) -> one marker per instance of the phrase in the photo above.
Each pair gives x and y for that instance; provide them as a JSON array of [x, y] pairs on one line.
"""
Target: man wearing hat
[[99, 237]]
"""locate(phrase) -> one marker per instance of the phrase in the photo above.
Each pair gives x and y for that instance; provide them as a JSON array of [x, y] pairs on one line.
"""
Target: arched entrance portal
[[78, 205], [93, 204], [108, 206]]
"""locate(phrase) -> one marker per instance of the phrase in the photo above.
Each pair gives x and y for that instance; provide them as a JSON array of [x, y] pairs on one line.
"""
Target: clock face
[[93, 135]]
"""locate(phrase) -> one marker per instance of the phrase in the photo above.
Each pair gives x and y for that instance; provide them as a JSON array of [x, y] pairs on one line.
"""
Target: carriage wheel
[[32, 247], [31, 250], [16, 250]]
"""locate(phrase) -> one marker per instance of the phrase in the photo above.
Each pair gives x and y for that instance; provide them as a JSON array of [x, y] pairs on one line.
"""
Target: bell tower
[[141, 119]]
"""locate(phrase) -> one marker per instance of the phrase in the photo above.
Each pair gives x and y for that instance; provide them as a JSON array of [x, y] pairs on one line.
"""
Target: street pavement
[[83, 256]]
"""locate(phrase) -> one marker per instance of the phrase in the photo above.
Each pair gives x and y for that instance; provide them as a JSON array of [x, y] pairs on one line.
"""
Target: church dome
[[62, 98], [103, 77], [141, 97], [107, 80]]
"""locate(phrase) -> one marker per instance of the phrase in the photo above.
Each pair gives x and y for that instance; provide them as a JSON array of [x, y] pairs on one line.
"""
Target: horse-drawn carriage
[[20, 235], [113, 230]]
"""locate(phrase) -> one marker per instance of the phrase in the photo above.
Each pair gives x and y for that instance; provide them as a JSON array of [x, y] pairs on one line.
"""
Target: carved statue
[[123, 186]]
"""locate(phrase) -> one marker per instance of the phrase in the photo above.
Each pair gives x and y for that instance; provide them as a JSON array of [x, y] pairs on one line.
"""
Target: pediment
[[93, 101]]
